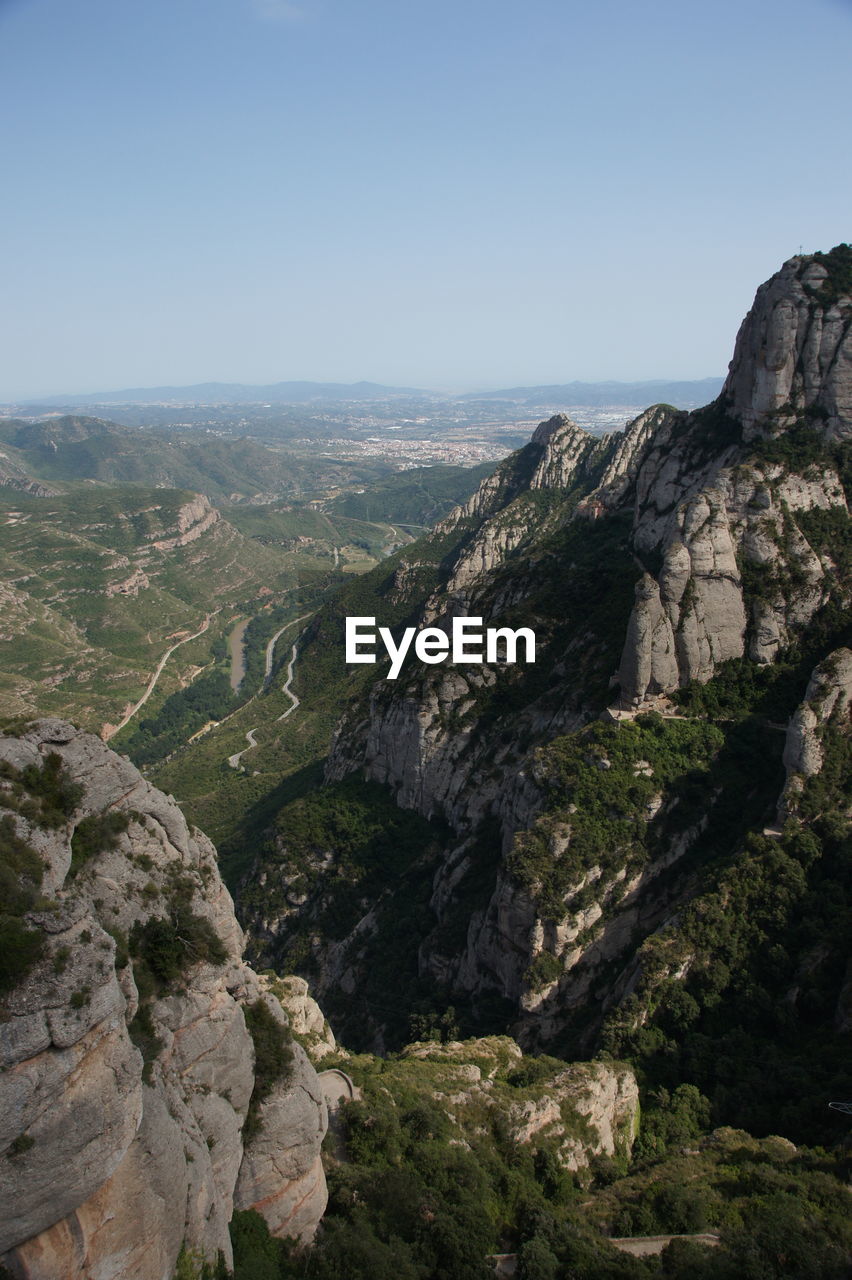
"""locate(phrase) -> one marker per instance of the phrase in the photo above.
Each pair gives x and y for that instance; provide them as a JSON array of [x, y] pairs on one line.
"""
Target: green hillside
[[69, 449], [420, 496], [97, 587]]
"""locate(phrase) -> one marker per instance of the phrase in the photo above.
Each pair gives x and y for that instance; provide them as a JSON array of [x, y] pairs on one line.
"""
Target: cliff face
[[644, 561], [722, 502], [133, 1119], [720, 499], [794, 352]]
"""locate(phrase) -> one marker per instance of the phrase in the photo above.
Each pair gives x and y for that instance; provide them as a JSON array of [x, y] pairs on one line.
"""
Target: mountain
[[144, 1064], [582, 925], [112, 551], [586, 820], [162, 1116], [235, 393], [43, 457], [683, 394]]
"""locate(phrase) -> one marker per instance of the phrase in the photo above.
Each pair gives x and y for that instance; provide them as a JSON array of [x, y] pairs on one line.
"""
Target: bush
[[257, 1254], [52, 788], [169, 946], [96, 834], [21, 870], [19, 950], [273, 1058], [543, 970]]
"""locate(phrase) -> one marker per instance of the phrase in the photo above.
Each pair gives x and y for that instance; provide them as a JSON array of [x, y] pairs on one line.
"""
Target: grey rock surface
[[112, 1164]]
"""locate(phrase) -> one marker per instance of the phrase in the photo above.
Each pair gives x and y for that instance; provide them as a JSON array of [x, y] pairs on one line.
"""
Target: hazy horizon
[[109, 395]]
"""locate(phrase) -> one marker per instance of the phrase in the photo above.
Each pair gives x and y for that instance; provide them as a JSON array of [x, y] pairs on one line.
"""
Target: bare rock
[[87, 1128], [281, 1175], [827, 701], [793, 352]]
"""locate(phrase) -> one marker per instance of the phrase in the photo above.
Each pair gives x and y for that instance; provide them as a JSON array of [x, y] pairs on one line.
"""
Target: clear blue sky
[[452, 193]]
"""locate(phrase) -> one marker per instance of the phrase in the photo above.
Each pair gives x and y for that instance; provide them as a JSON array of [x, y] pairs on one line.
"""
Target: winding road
[[234, 760], [294, 701], [270, 648], [155, 677]]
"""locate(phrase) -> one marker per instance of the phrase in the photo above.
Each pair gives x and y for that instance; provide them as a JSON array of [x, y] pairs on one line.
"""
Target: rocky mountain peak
[[793, 353]]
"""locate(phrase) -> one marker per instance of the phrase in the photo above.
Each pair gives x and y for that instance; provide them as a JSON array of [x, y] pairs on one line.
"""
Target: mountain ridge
[[704, 548], [576, 392]]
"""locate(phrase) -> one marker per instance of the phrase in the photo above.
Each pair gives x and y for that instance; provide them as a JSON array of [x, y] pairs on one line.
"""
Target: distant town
[[406, 428]]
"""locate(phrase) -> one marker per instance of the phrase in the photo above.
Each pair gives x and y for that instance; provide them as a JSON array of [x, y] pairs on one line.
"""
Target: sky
[[456, 195]]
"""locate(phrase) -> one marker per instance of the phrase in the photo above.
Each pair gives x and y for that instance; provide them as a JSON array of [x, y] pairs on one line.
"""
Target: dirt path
[[155, 677], [647, 1246]]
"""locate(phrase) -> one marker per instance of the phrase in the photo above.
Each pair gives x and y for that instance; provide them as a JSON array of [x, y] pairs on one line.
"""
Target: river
[[238, 655]]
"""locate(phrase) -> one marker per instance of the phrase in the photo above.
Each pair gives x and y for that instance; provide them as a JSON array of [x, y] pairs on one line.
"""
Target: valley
[[577, 929]]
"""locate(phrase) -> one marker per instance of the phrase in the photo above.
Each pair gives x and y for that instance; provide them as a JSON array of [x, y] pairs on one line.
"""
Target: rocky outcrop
[[729, 526], [138, 581], [14, 476], [794, 349], [284, 1180], [128, 1065], [729, 566], [604, 1096], [307, 1020], [193, 519], [827, 702], [626, 454], [581, 1111], [568, 453], [560, 456], [738, 574]]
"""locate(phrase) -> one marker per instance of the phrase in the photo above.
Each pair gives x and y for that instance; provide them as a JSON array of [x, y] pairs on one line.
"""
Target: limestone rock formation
[[729, 525], [305, 1017], [828, 701], [711, 511], [193, 519], [583, 1110], [128, 1065], [794, 349]]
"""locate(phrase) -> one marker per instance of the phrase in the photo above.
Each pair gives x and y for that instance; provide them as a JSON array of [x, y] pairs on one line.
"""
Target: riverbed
[[236, 649]]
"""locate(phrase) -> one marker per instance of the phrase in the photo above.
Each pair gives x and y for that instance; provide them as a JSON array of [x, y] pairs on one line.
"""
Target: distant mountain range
[[235, 393], [683, 394]]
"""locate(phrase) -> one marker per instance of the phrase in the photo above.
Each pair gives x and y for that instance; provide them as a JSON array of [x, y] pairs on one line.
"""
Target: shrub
[[543, 970], [51, 787], [96, 834], [20, 949], [169, 946], [257, 1254], [21, 871], [273, 1058], [19, 1145]]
